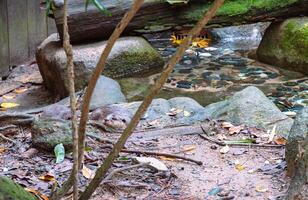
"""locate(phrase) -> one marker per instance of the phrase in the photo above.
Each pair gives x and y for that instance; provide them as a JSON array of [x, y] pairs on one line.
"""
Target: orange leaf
[[20, 90], [166, 158], [47, 177], [189, 148], [281, 141], [2, 149]]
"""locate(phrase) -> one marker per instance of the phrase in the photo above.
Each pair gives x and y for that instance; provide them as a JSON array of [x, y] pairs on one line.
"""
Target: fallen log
[[158, 15]]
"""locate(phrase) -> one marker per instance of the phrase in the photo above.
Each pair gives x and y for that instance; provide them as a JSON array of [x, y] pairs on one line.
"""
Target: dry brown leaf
[[227, 125], [239, 167], [48, 177], [88, 173], [8, 96], [20, 90], [235, 129], [281, 141], [189, 148], [2, 149], [166, 158]]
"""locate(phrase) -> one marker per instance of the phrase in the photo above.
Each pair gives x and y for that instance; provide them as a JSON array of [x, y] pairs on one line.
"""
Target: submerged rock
[[9, 190], [130, 56], [285, 44], [251, 107]]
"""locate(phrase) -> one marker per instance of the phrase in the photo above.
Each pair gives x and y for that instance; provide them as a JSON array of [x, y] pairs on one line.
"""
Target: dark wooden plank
[[18, 31], [4, 40], [37, 25]]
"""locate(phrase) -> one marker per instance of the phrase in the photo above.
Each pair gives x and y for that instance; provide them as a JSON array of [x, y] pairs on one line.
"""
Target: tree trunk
[[160, 15]]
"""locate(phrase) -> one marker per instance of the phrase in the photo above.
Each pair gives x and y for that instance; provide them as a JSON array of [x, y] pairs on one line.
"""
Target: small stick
[[7, 127], [206, 137], [6, 138], [100, 139], [161, 154], [121, 170]]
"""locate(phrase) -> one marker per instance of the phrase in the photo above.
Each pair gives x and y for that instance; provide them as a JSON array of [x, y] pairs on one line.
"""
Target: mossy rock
[[285, 45], [47, 133], [9, 190], [129, 57]]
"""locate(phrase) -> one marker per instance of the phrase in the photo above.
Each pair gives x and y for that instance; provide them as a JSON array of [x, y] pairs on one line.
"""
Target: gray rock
[[11, 190], [298, 133], [297, 157], [130, 56], [107, 91], [251, 107], [285, 45], [47, 133]]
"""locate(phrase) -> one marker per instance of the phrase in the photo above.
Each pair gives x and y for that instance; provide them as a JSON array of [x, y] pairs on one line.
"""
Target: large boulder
[[251, 107], [285, 44], [297, 158], [9, 190], [130, 56]]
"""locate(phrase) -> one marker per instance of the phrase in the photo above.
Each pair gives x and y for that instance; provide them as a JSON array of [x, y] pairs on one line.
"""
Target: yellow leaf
[[20, 90], [225, 149], [239, 167], [261, 189], [8, 96], [2, 149], [281, 141], [189, 148], [166, 158], [88, 173], [9, 105], [48, 177]]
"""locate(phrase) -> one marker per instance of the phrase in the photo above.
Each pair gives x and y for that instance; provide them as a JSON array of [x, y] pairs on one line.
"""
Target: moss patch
[[238, 7], [11, 190]]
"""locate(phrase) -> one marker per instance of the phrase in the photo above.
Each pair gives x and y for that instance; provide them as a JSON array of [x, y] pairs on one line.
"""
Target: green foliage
[[239, 7]]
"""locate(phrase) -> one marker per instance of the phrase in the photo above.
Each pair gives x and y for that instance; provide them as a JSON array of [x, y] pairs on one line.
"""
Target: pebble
[[211, 48], [187, 62], [263, 75], [205, 54]]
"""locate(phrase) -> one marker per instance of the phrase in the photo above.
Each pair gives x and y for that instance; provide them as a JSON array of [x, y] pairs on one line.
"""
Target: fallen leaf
[[9, 105], [153, 162], [59, 153], [239, 167], [37, 193], [235, 129], [272, 134], [2, 149], [8, 96], [32, 190], [227, 125], [20, 90], [221, 137], [88, 173], [187, 113], [225, 149], [261, 189], [48, 177], [189, 148], [154, 122], [281, 141], [166, 158]]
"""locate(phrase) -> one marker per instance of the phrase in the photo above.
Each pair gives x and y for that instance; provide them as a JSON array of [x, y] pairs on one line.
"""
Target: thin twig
[[161, 154], [121, 170], [7, 139], [208, 138], [7, 127], [100, 139]]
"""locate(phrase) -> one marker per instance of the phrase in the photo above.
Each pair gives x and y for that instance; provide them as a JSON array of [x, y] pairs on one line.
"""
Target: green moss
[[10, 190], [238, 7]]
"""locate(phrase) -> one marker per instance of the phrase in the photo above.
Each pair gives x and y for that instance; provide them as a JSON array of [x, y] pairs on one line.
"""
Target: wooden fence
[[23, 25]]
